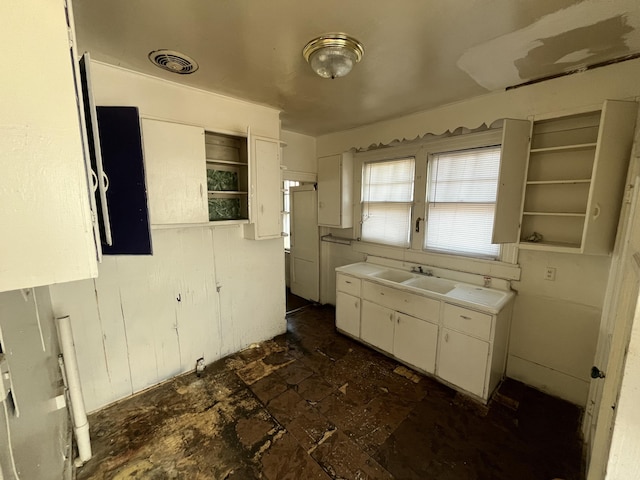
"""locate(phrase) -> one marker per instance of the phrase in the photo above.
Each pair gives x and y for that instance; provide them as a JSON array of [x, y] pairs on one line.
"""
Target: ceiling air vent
[[172, 61]]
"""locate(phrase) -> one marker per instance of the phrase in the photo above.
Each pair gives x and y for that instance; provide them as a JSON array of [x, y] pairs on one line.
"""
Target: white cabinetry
[[463, 347], [575, 180], [348, 313], [376, 326], [265, 190], [463, 361], [400, 323], [335, 191], [415, 342], [175, 165], [227, 177], [47, 235], [348, 305]]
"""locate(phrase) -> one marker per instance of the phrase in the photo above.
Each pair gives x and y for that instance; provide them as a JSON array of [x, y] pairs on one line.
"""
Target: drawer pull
[[465, 317], [347, 281], [382, 293]]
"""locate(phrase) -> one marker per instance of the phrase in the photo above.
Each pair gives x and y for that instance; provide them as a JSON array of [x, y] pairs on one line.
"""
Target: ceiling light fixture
[[333, 55]]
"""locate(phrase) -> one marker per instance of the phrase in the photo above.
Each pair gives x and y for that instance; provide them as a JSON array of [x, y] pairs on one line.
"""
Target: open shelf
[[211, 161], [566, 148], [575, 171], [555, 214], [557, 182], [227, 177]]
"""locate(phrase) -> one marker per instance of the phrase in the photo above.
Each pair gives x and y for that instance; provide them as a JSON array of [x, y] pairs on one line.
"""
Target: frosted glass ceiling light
[[333, 55]]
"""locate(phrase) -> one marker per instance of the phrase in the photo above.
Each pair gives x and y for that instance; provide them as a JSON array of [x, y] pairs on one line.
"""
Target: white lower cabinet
[[377, 325], [463, 347], [348, 313], [415, 342], [463, 361]]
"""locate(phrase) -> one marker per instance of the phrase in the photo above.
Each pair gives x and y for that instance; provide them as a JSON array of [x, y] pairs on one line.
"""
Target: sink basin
[[483, 296], [432, 284], [397, 276]]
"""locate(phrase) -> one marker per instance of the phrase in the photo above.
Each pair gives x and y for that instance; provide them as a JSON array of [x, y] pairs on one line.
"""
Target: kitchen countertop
[[488, 300]]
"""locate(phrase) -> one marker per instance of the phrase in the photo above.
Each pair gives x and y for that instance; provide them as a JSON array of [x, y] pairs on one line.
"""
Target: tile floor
[[313, 404]]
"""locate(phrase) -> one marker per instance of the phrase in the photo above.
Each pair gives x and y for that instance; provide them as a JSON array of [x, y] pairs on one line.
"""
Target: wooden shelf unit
[[227, 177], [575, 179]]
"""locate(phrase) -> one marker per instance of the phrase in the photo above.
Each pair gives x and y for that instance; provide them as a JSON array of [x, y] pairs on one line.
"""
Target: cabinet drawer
[[347, 284], [414, 305], [467, 321]]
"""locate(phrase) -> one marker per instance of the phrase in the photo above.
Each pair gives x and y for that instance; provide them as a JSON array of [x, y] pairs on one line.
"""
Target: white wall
[[40, 437], [555, 324], [206, 291]]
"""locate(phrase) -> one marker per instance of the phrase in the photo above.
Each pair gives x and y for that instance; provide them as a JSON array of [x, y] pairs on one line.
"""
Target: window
[[461, 197], [387, 199], [286, 212]]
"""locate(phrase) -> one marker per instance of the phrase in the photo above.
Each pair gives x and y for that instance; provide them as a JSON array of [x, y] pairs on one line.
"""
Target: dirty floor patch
[[312, 404]]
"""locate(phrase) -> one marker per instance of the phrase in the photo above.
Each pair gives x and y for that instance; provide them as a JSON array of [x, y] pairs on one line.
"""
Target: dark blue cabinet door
[[123, 163]]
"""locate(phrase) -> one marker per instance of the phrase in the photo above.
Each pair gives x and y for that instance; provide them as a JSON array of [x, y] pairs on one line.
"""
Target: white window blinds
[[387, 198], [461, 196]]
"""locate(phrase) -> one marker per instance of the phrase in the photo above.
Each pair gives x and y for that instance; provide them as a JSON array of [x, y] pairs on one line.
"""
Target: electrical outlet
[[550, 274]]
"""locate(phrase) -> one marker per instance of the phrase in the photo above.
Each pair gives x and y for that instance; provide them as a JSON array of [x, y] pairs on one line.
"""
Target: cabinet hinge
[[628, 194], [70, 36]]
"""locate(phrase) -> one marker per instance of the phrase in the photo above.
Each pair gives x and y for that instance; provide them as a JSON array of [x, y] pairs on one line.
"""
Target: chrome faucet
[[421, 271]]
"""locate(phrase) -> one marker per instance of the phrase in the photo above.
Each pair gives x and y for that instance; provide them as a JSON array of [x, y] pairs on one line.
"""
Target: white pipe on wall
[[80, 422]]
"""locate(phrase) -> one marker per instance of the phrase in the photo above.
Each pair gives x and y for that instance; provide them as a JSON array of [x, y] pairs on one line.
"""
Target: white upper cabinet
[[47, 233], [265, 200], [513, 164], [575, 180], [175, 163], [335, 191]]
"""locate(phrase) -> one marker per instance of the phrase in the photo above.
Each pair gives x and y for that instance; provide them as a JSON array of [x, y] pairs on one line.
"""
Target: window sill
[[478, 266]]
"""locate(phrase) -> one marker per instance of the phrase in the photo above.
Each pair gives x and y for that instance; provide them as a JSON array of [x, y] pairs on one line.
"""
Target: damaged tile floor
[[312, 404]]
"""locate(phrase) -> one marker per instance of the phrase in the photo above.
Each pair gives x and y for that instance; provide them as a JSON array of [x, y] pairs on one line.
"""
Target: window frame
[[368, 202], [421, 150]]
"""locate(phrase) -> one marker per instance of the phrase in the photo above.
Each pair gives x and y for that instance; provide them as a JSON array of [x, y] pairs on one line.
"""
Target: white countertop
[[489, 300]]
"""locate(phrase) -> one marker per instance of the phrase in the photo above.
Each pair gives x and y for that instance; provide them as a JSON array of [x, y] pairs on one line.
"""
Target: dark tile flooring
[[313, 404]]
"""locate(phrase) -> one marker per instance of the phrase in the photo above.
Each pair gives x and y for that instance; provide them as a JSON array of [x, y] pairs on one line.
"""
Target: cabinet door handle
[[382, 293], [356, 304], [347, 281], [596, 211], [398, 320], [391, 317], [446, 337], [465, 317]]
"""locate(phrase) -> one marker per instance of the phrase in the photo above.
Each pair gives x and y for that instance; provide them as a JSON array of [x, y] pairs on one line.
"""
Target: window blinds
[[461, 195], [387, 198]]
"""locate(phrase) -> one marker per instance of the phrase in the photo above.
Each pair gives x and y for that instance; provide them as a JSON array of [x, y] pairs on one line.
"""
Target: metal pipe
[[78, 413]]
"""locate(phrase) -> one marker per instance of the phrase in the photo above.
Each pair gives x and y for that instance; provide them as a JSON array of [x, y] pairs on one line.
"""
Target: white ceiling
[[418, 53]]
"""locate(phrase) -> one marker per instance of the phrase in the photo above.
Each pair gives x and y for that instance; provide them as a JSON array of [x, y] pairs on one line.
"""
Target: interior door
[[305, 244], [622, 300]]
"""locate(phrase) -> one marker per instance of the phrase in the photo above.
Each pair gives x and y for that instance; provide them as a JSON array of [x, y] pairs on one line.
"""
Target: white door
[[463, 361], [415, 342], [348, 313], [174, 157], [376, 325], [618, 314], [305, 244]]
